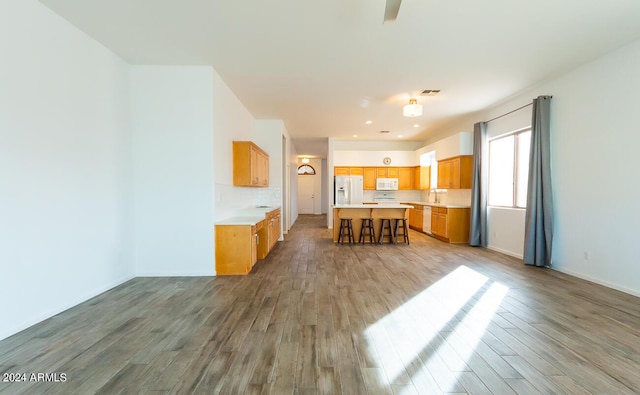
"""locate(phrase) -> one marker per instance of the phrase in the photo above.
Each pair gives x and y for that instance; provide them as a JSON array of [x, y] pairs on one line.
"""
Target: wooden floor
[[319, 318]]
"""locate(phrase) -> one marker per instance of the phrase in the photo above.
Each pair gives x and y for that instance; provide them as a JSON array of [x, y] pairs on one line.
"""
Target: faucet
[[436, 192]]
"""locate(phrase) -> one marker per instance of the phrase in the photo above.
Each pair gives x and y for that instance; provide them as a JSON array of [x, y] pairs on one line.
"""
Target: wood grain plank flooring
[[320, 318]]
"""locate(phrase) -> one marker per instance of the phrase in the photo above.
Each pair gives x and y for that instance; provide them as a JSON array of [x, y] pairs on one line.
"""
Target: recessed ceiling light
[[399, 136], [355, 135], [416, 126], [368, 122]]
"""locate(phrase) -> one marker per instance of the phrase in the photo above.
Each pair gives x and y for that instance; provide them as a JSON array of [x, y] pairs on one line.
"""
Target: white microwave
[[387, 184]]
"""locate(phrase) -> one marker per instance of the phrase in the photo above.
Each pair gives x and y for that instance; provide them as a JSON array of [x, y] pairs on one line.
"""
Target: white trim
[[598, 281], [505, 252], [211, 273]]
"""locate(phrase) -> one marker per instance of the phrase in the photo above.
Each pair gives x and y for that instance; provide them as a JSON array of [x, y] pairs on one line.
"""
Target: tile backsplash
[[231, 200], [450, 196]]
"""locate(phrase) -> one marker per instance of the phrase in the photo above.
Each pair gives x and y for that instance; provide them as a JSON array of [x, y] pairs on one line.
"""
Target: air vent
[[430, 92], [384, 131]]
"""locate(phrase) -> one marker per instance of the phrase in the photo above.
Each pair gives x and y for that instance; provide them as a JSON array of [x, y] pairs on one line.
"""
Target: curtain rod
[[510, 112], [519, 108]]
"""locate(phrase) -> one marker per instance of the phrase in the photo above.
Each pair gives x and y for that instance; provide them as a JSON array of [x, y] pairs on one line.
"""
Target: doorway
[[306, 196]]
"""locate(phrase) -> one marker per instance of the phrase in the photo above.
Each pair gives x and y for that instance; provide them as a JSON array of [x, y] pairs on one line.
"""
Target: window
[[509, 169], [306, 170]]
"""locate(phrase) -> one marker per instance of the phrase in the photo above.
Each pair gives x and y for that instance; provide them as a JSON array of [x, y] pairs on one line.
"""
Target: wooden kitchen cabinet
[[347, 171], [270, 233], [405, 177], [250, 165], [274, 231], [416, 216], [450, 224], [425, 178], [387, 172], [369, 178], [455, 173], [236, 248]]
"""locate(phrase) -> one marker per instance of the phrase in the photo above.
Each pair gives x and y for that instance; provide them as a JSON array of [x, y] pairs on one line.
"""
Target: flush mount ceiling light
[[413, 109], [305, 160]]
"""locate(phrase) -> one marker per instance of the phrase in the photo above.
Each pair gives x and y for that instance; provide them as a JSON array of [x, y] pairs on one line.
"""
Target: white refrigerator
[[348, 189]]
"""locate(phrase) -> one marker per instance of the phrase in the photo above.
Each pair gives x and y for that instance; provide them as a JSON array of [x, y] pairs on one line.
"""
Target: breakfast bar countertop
[[373, 206], [439, 205]]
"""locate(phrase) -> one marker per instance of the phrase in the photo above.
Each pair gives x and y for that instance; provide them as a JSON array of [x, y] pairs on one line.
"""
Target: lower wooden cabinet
[[450, 224], [416, 215], [236, 248], [270, 233]]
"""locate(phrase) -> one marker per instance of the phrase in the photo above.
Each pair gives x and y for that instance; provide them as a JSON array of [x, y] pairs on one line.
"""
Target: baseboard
[[598, 281], [506, 252], [177, 274], [76, 301]]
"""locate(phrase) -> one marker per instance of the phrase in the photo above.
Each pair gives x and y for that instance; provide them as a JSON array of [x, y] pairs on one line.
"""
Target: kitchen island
[[358, 211]]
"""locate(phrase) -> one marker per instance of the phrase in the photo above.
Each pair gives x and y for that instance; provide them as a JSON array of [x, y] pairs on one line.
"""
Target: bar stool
[[346, 225], [401, 223], [367, 231], [386, 224]]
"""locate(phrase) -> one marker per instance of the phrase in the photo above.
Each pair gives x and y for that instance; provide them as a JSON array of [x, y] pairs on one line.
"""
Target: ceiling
[[327, 66]]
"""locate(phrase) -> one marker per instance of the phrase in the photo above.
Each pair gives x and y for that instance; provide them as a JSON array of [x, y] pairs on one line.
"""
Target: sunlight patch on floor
[[395, 337], [468, 332]]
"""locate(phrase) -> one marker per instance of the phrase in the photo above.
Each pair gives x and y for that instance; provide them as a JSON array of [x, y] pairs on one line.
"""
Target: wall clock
[[386, 161]]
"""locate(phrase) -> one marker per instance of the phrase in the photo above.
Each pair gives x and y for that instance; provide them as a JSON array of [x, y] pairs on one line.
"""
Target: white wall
[[268, 135], [64, 166], [374, 158], [173, 170], [594, 137], [293, 177], [324, 188], [231, 121]]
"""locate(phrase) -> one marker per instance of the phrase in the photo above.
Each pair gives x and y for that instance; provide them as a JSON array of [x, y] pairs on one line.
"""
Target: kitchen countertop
[[248, 216], [378, 206], [439, 205], [249, 220]]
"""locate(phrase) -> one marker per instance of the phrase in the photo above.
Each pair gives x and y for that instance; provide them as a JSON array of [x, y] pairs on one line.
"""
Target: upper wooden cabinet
[[347, 171], [369, 178], [387, 172], [455, 173], [423, 178], [405, 177], [250, 165]]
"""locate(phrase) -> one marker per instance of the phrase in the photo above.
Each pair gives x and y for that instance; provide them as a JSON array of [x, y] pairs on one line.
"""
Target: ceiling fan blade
[[391, 10]]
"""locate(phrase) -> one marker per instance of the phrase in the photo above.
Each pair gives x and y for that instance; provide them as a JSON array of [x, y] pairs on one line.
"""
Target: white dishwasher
[[426, 220]]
